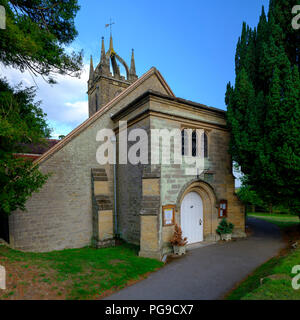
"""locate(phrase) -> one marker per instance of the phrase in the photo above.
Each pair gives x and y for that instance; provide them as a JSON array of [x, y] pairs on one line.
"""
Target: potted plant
[[225, 229], [179, 243]]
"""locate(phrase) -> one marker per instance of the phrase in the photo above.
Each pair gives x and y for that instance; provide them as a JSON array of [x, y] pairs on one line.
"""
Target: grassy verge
[[272, 280], [281, 220], [84, 273]]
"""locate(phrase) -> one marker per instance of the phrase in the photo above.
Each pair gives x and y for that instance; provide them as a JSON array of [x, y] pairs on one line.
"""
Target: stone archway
[[209, 200]]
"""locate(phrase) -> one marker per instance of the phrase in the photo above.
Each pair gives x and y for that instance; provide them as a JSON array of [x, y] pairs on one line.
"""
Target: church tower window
[[204, 145], [184, 142], [96, 102], [194, 144]]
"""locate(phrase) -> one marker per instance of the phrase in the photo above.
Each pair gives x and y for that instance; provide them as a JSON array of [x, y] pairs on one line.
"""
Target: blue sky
[[191, 42]]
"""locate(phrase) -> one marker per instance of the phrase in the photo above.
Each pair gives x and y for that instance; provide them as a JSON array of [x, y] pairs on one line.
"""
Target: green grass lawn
[[281, 220], [279, 268], [85, 273]]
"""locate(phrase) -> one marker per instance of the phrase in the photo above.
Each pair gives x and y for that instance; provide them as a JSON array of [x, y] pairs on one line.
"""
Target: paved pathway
[[208, 272]]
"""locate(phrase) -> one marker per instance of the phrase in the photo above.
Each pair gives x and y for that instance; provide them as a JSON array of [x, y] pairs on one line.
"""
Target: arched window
[[194, 144], [191, 139], [182, 142], [96, 102], [204, 145]]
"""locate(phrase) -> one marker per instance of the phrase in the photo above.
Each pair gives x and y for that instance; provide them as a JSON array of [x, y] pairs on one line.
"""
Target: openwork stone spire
[[106, 80], [109, 64]]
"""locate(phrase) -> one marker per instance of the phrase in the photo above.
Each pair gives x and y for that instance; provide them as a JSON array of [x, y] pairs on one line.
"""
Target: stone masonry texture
[[61, 215], [65, 213]]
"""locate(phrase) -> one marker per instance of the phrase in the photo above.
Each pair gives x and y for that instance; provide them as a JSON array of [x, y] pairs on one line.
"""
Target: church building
[[87, 203]]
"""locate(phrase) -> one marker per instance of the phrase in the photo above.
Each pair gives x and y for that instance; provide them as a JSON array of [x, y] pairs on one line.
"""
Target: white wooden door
[[192, 217]]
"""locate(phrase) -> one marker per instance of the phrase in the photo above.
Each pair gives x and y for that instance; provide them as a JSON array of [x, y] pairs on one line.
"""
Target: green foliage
[[35, 39], [225, 227], [281, 220], [279, 289], [249, 196], [36, 35], [264, 107], [21, 121]]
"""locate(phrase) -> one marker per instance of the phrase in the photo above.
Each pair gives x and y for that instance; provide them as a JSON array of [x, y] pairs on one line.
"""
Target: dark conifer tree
[[264, 106]]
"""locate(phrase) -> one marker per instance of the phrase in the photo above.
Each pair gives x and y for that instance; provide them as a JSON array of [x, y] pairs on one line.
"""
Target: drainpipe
[[114, 141]]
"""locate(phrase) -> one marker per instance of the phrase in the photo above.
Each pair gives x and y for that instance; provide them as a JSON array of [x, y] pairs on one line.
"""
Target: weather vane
[[109, 25]]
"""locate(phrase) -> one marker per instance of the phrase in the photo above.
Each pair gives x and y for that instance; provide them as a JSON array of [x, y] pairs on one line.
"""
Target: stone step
[[106, 243], [100, 178]]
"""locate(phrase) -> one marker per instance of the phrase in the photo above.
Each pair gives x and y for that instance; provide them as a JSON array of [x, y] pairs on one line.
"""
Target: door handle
[[200, 222]]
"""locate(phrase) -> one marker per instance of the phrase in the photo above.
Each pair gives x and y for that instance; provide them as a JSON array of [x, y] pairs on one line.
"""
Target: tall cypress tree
[[264, 106]]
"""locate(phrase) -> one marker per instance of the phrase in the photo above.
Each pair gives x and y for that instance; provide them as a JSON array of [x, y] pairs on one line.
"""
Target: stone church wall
[[218, 174], [130, 193], [60, 215]]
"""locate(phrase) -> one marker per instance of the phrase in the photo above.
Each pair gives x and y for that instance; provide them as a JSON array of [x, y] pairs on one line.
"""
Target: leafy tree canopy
[[249, 196], [21, 121], [36, 38], [36, 35]]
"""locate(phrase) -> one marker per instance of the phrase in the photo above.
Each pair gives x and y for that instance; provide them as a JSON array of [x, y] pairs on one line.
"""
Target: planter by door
[[226, 236], [192, 217]]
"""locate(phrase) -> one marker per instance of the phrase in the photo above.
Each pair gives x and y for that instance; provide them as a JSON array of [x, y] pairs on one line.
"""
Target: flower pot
[[226, 236], [179, 250]]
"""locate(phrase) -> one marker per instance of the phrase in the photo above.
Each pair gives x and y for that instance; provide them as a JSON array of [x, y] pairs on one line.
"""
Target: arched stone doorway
[[208, 200]]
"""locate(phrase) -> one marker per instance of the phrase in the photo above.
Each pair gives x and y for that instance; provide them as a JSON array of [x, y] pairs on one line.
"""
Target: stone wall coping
[[151, 176], [153, 93]]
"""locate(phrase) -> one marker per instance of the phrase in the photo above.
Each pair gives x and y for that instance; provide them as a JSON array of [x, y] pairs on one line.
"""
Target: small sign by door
[[223, 209], [168, 212]]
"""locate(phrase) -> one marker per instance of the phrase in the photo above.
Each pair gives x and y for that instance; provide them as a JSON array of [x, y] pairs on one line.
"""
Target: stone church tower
[[106, 81]]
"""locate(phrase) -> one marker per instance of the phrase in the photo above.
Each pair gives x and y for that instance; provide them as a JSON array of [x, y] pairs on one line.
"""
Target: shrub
[[177, 239], [225, 227]]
